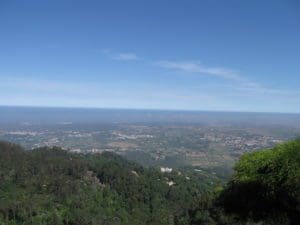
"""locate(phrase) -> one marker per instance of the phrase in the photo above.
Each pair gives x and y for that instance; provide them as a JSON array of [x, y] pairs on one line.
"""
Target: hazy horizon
[[145, 109], [25, 115]]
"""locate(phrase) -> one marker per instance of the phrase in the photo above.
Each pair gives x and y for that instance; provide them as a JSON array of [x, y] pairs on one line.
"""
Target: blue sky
[[191, 55]]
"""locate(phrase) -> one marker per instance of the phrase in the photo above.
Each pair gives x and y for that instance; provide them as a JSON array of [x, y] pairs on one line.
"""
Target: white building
[[165, 169]]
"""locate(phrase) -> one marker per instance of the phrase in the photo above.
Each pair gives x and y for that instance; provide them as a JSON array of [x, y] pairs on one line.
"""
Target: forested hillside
[[52, 186]]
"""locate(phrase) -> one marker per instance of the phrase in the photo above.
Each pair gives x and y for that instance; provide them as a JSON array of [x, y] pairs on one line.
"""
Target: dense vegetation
[[266, 186], [52, 186]]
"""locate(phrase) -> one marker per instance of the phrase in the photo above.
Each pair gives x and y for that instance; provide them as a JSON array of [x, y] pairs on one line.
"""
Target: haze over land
[[208, 140]]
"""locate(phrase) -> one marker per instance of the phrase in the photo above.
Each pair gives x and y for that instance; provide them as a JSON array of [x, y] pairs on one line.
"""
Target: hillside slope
[[52, 186]]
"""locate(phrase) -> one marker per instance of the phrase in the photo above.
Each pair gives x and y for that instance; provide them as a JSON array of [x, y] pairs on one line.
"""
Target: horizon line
[[145, 109]]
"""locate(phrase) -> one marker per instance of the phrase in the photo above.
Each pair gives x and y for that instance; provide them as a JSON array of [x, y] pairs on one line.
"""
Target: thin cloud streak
[[196, 67], [121, 56], [127, 56], [240, 83]]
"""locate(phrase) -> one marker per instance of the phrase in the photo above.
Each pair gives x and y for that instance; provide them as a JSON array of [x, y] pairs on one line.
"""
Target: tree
[[266, 186]]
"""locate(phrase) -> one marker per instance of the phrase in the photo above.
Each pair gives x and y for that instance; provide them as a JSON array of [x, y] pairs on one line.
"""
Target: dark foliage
[[52, 186], [266, 186]]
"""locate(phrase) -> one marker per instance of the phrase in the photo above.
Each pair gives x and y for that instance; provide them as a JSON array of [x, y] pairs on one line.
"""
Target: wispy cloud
[[127, 56], [121, 56], [196, 67], [239, 83]]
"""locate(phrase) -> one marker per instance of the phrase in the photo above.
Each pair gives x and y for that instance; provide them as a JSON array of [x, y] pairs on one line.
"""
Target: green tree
[[266, 185]]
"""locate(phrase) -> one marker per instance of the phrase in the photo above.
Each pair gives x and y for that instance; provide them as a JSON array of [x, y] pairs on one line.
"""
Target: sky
[[210, 55]]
